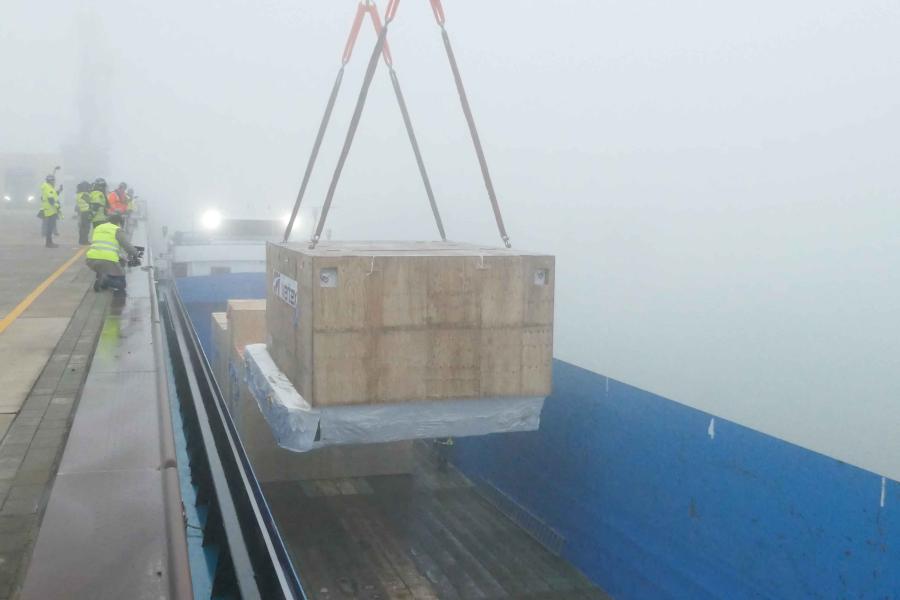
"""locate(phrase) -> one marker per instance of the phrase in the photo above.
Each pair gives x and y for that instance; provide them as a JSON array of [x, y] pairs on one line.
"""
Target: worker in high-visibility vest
[[108, 242], [98, 201], [83, 210], [49, 209], [116, 200], [129, 209]]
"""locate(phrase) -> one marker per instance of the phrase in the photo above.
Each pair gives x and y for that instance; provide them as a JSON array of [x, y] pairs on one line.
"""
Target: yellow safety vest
[[104, 245], [98, 205], [49, 200], [83, 200]]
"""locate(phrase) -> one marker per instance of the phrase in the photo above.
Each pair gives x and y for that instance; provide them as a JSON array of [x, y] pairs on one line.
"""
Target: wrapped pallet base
[[271, 462], [299, 427]]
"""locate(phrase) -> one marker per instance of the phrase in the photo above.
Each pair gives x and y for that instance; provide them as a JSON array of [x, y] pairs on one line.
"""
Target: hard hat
[[50, 179], [100, 184], [122, 185], [84, 186]]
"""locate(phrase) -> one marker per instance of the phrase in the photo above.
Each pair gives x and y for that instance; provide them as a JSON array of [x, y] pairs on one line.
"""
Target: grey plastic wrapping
[[299, 427]]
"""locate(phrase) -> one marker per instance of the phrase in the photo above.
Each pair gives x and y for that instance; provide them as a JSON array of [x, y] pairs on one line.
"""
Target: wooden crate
[[246, 322], [219, 326], [380, 322]]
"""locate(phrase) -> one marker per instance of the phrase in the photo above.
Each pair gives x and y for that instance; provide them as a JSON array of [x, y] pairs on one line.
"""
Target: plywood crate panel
[[384, 322], [220, 339], [246, 322]]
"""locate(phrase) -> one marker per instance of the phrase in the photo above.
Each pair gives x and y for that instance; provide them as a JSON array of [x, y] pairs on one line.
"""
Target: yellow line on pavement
[[24, 304]]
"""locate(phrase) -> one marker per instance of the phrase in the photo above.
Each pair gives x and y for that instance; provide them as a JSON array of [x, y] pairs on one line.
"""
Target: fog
[[718, 181]]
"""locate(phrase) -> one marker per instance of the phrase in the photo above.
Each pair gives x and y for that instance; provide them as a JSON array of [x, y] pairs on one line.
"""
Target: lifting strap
[[415, 146], [438, 10], [401, 102], [381, 47], [345, 58], [354, 124], [315, 152], [369, 8]]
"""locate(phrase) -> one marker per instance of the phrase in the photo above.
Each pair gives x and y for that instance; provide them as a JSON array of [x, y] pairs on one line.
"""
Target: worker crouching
[[108, 242]]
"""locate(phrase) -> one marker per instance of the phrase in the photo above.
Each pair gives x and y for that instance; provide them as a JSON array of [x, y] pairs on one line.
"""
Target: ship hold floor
[[428, 535]]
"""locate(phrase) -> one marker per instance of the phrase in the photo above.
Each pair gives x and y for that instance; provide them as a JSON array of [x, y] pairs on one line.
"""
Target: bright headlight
[[298, 220], [31, 198], [211, 219], [7, 198]]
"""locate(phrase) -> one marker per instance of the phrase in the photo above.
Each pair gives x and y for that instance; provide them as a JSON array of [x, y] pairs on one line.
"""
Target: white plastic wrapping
[[293, 422], [299, 427]]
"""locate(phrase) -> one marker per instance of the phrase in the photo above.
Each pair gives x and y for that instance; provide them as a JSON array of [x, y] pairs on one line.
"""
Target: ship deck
[[430, 534]]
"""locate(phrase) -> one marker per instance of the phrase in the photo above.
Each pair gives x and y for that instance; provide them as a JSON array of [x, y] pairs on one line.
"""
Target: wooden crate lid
[[403, 248]]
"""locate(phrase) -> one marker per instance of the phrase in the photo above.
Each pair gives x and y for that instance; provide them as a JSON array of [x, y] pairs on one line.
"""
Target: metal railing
[[177, 553], [252, 560]]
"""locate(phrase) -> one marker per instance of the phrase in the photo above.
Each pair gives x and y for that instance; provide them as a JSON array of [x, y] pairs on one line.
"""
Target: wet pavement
[[104, 532], [27, 342], [30, 450], [46, 350]]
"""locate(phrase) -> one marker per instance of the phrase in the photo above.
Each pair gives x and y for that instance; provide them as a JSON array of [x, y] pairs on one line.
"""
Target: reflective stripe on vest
[[104, 245]]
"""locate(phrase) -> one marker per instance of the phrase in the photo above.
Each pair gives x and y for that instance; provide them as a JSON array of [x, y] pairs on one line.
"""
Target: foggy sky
[[718, 181]]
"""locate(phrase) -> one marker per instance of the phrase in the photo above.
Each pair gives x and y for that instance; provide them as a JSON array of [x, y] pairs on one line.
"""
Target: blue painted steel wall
[[205, 294], [652, 507]]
